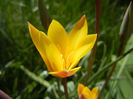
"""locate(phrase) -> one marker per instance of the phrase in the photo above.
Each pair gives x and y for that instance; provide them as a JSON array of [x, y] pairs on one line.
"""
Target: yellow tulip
[[85, 93], [60, 51]]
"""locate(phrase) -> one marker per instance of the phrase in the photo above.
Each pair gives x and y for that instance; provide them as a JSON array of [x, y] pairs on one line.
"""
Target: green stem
[[58, 84], [65, 87]]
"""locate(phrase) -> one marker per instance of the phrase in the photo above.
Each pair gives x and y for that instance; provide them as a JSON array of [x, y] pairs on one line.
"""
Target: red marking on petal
[[65, 74], [82, 96], [80, 22]]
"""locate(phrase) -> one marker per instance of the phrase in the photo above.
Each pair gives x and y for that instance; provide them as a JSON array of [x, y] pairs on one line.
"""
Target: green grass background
[[16, 47]]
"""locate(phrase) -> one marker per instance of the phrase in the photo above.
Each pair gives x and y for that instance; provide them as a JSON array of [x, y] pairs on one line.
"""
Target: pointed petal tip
[[80, 85], [53, 20], [81, 22], [82, 19], [76, 68], [95, 35], [31, 27], [29, 24], [80, 88], [84, 16], [95, 89]]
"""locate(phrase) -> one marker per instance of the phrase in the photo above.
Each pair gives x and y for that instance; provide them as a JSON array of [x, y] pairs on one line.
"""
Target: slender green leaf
[[35, 77]]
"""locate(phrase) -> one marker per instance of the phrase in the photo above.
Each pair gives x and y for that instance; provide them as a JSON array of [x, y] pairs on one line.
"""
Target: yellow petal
[[78, 32], [58, 35], [87, 93], [80, 88], [89, 39], [95, 92], [65, 73], [84, 46], [55, 58], [90, 94], [44, 46], [38, 36]]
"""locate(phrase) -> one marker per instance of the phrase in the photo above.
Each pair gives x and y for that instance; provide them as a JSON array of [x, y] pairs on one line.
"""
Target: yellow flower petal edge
[[79, 31], [58, 35], [61, 51], [85, 93], [84, 46], [49, 52]]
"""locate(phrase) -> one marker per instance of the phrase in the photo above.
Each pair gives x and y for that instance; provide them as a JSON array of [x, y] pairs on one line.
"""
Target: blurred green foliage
[[17, 48]]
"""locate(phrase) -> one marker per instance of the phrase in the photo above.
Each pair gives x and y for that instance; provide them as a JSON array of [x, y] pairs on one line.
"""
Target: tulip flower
[[60, 51], [85, 93]]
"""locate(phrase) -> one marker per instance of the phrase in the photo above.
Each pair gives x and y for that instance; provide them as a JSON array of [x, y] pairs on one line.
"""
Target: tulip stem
[[98, 12], [65, 87], [45, 19], [93, 53], [58, 83]]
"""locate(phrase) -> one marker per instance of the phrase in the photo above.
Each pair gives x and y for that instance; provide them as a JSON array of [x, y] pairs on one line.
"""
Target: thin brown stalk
[[58, 84], [45, 19], [112, 70], [91, 60], [65, 87], [125, 34], [92, 57]]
